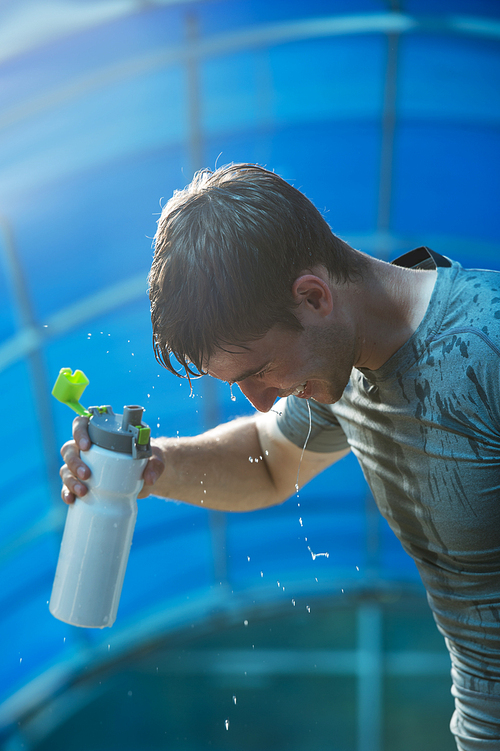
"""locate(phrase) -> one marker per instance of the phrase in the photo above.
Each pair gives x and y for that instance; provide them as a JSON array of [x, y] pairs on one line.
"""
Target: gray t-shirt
[[425, 428]]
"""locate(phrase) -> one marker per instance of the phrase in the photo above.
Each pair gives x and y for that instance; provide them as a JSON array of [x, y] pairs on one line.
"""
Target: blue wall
[[387, 119]]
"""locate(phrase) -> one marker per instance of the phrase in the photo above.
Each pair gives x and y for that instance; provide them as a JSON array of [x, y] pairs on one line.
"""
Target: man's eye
[[261, 374]]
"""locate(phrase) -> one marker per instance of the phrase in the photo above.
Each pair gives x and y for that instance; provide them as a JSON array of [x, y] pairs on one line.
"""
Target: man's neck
[[393, 303]]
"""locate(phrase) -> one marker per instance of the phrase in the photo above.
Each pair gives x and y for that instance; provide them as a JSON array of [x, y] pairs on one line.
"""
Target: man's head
[[227, 252]]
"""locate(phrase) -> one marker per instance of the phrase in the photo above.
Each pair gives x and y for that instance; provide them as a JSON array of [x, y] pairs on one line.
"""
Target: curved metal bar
[[33, 336], [36, 363], [271, 34]]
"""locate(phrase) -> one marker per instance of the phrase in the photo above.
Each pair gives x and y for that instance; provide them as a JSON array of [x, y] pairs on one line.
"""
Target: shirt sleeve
[[310, 424]]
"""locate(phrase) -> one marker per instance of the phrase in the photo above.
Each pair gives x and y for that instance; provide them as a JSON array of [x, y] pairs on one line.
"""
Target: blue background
[[386, 115]]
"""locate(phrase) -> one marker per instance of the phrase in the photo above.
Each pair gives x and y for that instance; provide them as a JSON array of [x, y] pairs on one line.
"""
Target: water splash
[[317, 555]]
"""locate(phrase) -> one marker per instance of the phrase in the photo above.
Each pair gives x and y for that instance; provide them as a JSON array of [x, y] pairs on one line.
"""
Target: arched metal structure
[[386, 114]]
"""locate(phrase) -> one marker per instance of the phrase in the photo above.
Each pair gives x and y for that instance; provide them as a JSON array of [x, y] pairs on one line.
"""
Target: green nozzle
[[68, 389]]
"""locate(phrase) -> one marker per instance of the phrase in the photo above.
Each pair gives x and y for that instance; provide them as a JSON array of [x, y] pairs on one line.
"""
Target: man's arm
[[239, 466]]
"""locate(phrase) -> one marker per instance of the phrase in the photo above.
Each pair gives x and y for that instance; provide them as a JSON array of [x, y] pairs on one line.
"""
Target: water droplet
[[261, 574], [245, 623], [293, 603], [226, 724], [300, 521], [233, 398], [234, 699], [129, 693], [308, 608], [248, 557]]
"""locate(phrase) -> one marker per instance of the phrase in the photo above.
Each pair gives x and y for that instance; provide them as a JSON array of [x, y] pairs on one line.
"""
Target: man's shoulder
[[475, 301], [476, 281]]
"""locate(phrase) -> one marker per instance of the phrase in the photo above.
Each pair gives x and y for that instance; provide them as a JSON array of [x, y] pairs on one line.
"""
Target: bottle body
[[96, 541]]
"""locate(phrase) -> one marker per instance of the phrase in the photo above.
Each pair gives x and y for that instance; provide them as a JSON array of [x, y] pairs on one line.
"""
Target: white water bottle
[[99, 527]]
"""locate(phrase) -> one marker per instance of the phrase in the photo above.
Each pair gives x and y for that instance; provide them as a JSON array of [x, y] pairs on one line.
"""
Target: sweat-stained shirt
[[425, 428]]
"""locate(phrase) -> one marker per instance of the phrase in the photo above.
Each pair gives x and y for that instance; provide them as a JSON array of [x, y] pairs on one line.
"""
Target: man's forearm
[[224, 468]]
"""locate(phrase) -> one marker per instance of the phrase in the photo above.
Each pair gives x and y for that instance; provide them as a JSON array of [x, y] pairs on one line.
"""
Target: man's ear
[[312, 295]]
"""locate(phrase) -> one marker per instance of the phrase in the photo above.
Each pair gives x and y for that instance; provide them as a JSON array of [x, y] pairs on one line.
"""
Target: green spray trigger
[[68, 389]]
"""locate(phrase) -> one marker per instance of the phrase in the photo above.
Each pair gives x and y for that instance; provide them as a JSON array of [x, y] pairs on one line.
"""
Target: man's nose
[[262, 397]]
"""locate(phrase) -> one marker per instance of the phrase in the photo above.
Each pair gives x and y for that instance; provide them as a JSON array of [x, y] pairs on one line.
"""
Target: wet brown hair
[[227, 251]]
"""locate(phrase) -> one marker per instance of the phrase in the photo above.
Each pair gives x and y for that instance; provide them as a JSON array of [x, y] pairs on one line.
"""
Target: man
[[396, 362]]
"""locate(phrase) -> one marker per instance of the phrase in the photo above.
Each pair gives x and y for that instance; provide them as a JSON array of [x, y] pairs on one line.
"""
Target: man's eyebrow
[[253, 371]]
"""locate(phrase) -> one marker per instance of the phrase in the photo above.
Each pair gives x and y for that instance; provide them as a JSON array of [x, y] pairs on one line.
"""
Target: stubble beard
[[335, 353]]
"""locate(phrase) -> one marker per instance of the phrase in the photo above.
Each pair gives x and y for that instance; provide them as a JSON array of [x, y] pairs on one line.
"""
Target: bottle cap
[[126, 433]]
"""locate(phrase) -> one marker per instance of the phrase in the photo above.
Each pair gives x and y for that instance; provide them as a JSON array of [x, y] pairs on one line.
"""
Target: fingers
[[74, 470], [152, 471], [80, 433]]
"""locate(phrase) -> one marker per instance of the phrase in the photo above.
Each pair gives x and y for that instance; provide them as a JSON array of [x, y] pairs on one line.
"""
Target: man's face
[[315, 363]]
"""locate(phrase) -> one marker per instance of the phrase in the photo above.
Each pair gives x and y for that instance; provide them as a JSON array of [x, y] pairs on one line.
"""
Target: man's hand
[[74, 471], [152, 471]]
